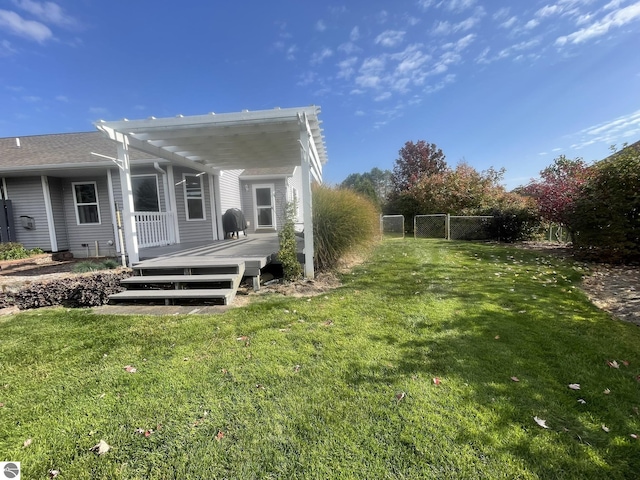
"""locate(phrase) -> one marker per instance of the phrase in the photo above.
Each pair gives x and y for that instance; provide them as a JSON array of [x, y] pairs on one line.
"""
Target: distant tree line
[[599, 204]]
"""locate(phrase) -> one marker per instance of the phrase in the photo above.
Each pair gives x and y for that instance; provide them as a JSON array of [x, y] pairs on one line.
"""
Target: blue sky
[[496, 83]]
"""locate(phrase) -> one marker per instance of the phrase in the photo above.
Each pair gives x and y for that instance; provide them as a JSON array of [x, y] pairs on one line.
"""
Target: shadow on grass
[[514, 314]]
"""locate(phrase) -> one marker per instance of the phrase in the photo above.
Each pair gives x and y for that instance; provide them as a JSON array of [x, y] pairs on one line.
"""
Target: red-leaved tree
[[416, 161], [558, 188]]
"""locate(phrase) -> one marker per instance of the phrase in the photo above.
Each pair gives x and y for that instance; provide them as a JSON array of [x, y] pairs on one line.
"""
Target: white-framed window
[[193, 196], [145, 193], [85, 199]]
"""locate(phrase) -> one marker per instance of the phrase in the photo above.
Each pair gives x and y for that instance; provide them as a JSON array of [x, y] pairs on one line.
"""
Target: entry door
[[265, 208]]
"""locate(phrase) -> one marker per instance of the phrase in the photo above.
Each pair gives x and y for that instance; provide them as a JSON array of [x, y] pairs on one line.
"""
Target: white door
[[265, 206]]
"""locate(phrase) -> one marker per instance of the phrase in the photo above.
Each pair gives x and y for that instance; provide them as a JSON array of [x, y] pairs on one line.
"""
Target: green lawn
[[340, 385]]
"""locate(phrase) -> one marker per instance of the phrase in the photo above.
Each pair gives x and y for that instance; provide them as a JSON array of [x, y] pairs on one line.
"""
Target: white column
[[218, 205], [307, 211], [172, 201], [47, 206], [128, 222]]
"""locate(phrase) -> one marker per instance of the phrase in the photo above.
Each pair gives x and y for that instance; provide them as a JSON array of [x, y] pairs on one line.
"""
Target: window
[[145, 193], [193, 196], [85, 198]]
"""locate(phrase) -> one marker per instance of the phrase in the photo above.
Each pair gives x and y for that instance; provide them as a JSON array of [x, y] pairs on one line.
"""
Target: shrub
[[606, 216], [90, 290], [15, 251], [90, 266], [288, 253], [513, 224], [342, 221]]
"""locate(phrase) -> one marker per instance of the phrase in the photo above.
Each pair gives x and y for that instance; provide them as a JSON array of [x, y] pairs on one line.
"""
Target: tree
[[416, 161], [606, 214], [558, 188], [374, 184]]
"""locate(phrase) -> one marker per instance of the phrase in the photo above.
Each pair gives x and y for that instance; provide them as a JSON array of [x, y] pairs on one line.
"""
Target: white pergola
[[214, 142]]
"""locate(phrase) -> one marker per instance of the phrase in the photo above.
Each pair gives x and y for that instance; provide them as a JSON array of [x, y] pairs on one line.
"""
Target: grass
[[313, 390]]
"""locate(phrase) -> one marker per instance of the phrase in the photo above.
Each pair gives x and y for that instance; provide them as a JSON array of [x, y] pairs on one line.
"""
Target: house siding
[[27, 199], [192, 230], [230, 191], [88, 234], [57, 206]]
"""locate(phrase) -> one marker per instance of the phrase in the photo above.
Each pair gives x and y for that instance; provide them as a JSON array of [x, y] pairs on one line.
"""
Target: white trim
[[76, 204], [112, 210], [5, 194], [218, 204], [307, 208], [214, 211], [172, 201], [154, 175], [202, 197], [272, 189], [47, 207]]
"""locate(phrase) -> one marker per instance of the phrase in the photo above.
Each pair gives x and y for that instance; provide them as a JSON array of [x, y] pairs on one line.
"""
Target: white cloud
[[320, 26], [6, 48], [319, 57], [502, 13], [616, 18], [548, 10], [31, 98], [349, 48], [346, 68], [382, 96], [62, 98], [390, 38], [457, 5], [30, 29], [425, 3], [291, 52], [450, 78], [98, 110], [610, 132], [444, 27], [531, 24], [355, 34], [509, 23], [47, 12]]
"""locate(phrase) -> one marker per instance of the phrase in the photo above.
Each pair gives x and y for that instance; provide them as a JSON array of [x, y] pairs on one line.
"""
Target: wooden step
[[226, 295], [216, 278]]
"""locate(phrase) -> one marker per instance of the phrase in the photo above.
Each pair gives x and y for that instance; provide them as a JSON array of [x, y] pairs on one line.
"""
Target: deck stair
[[184, 279]]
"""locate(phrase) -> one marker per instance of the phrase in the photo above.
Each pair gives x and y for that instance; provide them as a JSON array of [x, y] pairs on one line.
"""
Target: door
[[265, 208]]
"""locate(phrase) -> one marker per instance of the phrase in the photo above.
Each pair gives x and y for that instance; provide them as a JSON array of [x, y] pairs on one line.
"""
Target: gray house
[[140, 184]]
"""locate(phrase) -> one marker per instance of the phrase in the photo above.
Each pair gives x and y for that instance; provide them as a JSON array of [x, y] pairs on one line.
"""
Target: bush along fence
[[504, 227]]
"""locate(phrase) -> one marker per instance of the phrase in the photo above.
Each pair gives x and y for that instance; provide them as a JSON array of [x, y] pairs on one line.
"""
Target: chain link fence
[[392, 226], [430, 226], [470, 227]]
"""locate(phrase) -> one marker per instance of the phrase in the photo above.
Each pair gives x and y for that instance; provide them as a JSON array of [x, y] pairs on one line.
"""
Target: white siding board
[[192, 230], [230, 196]]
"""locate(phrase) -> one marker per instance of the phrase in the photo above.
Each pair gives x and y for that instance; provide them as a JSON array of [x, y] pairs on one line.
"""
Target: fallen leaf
[[243, 338], [541, 422], [328, 323], [224, 371], [148, 433], [259, 386], [139, 431], [400, 396], [220, 435], [515, 379], [54, 473], [101, 447], [574, 386], [613, 364], [625, 363], [130, 369], [296, 369], [606, 391], [1, 405], [26, 443], [185, 359], [582, 401], [634, 436], [605, 428], [436, 381], [497, 337]]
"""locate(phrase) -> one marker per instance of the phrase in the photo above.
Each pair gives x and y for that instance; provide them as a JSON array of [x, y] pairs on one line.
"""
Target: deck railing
[[154, 229]]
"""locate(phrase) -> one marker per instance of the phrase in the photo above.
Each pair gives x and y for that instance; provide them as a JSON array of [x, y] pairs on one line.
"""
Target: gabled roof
[[58, 151]]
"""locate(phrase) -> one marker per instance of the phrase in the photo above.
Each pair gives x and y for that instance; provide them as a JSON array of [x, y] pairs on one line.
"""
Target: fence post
[[415, 235], [447, 226]]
